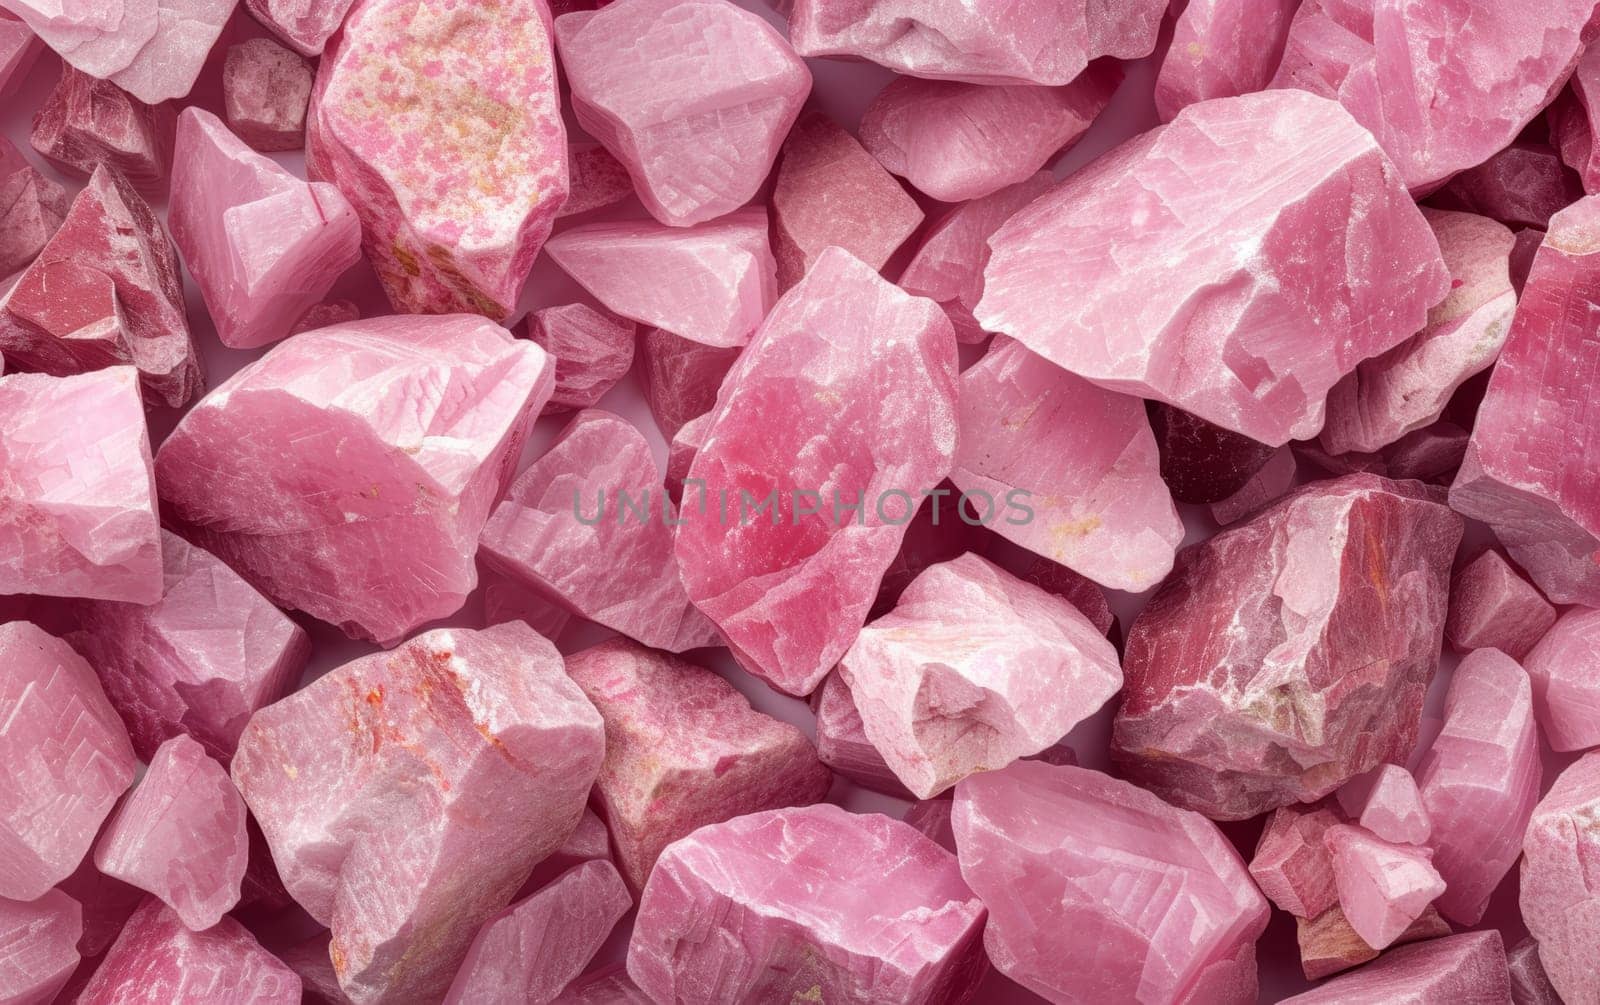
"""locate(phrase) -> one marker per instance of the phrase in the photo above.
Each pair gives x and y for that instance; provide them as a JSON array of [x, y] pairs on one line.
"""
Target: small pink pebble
[[1383, 887], [1385, 801]]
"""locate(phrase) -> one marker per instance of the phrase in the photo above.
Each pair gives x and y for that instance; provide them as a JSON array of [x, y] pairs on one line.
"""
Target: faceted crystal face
[[31, 208], [593, 349], [1493, 607], [1437, 972], [41, 938], [1221, 49], [1383, 887], [157, 955], [153, 49], [1558, 896]]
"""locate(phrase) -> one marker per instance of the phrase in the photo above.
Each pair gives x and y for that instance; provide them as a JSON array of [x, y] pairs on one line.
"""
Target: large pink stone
[[304, 24], [1288, 654], [1386, 802], [265, 92], [1530, 985], [1383, 887], [1291, 864], [956, 141], [40, 947], [711, 284], [1028, 667], [158, 958], [1559, 901], [812, 903], [1221, 49], [264, 246], [407, 795], [67, 759], [1493, 607], [77, 502], [589, 526], [31, 208], [392, 437], [842, 742], [19, 48], [693, 96], [180, 835], [85, 122], [1175, 920], [593, 349], [866, 378], [1249, 340], [1566, 685], [1460, 968], [1064, 468], [684, 750], [680, 377], [454, 223]]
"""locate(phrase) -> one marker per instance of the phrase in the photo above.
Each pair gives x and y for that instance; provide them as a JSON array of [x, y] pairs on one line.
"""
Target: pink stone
[[533, 949], [597, 179], [931, 538], [813, 903], [64, 318], [390, 436], [606, 986], [1264, 488], [263, 246], [265, 91], [77, 502], [1291, 864], [1071, 274], [1328, 944], [1290, 653], [454, 224], [588, 842], [373, 786], [87, 122], [1532, 470], [988, 42], [684, 750], [711, 284], [934, 818], [1493, 607], [1082, 592], [658, 84], [1460, 968], [1065, 469], [1383, 887], [107, 903], [1175, 920], [588, 526], [865, 376], [31, 208], [842, 742], [19, 48], [686, 443], [680, 377], [1523, 185], [1530, 985], [956, 141], [1028, 668], [1221, 49], [1565, 670], [1559, 901], [40, 939], [1573, 123], [306, 25], [593, 349], [832, 193], [67, 759], [158, 958], [1386, 802], [327, 314], [180, 835]]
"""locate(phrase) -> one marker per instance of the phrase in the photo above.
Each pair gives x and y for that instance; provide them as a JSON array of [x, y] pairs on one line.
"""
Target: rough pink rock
[[86, 122], [866, 378], [1566, 685], [1221, 49], [158, 958], [680, 377], [1386, 802], [1530, 985], [1521, 186], [956, 141], [1532, 470], [265, 91], [1290, 653], [596, 178], [1328, 944], [1082, 592], [1034, 840], [40, 939], [1071, 274], [31, 208], [606, 986], [390, 436], [1460, 968], [63, 318], [589, 526], [815, 903], [842, 742], [593, 349], [1064, 468], [1383, 887], [588, 842], [1291, 864], [454, 224], [371, 783], [1493, 607], [19, 48], [1573, 123], [654, 82], [1559, 900], [77, 502], [306, 25], [684, 750], [1264, 488]]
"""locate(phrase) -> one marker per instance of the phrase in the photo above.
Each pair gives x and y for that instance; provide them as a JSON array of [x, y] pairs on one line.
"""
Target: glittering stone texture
[[1521, 186], [86, 122], [305, 25], [370, 786], [1220, 49], [596, 179], [1566, 685], [1291, 863], [1493, 607], [1386, 802], [1559, 901], [31, 208], [1264, 488], [680, 377], [1329, 945], [1383, 887], [19, 47], [592, 349], [39, 951], [1530, 985], [1290, 653], [265, 90], [158, 959], [842, 742], [452, 225], [1460, 968]]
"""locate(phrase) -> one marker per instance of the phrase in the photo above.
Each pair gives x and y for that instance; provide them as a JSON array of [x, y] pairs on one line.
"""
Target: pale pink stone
[[87, 122], [304, 24], [454, 223], [157, 958], [1328, 944], [265, 91], [1530, 985], [842, 742], [1386, 802], [1221, 49], [865, 378], [38, 947], [956, 141], [1383, 887], [593, 349], [77, 501], [606, 986], [1064, 468], [693, 96], [1291, 864], [596, 178], [712, 283], [1573, 123], [1565, 670], [1264, 488], [392, 436], [1521, 186], [19, 48], [1250, 341], [1175, 920], [407, 795], [1560, 903], [808, 904], [680, 377], [31, 208], [683, 750], [1493, 607]]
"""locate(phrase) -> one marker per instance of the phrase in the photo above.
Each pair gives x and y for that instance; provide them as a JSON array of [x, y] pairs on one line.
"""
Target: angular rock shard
[[31, 209], [1559, 900], [680, 377], [1222, 49], [87, 122], [596, 178], [1292, 865], [842, 741], [265, 91], [158, 956], [1470, 967], [40, 939], [306, 25], [1572, 120], [1493, 607], [1383, 887], [1386, 802], [1328, 944], [1530, 985], [1566, 688], [19, 48], [593, 349], [153, 49]]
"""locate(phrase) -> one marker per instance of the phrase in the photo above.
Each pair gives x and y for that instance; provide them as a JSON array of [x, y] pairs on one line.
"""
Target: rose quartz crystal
[[1493, 607], [680, 377], [265, 91], [1200, 461], [1221, 49], [1386, 802], [19, 48], [1328, 944], [40, 952], [1532, 470], [1530, 985], [712, 283], [1565, 670], [1289, 654], [1291, 864], [593, 349], [453, 224], [1070, 470], [811, 904], [533, 949], [1448, 971], [1521, 186], [606, 986], [683, 750], [390, 436], [842, 742], [31, 209], [983, 42], [656, 83], [407, 795], [865, 376], [1559, 900], [588, 526], [77, 500], [1027, 667], [87, 122], [1274, 173], [956, 141], [306, 25], [597, 179], [1383, 887], [832, 193], [157, 958], [1175, 920], [263, 246], [1264, 488], [180, 835]]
